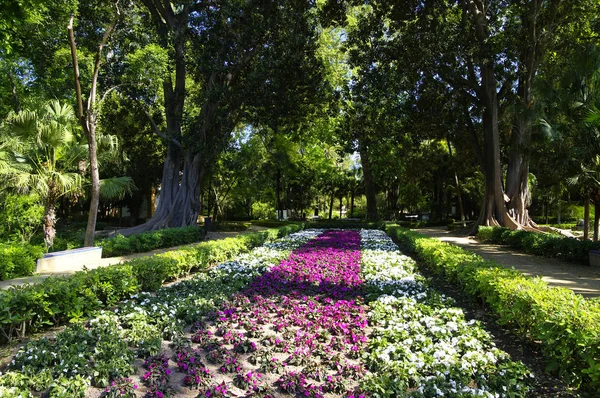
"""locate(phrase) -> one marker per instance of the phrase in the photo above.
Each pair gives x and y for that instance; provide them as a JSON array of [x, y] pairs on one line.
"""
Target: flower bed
[[420, 345], [104, 350], [288, 319]]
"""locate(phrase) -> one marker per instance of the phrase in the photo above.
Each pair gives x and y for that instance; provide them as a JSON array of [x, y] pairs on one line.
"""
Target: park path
[[120, 259], [584, 280]]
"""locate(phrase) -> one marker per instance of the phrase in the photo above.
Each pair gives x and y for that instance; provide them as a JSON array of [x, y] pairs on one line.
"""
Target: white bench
[[69, 261]]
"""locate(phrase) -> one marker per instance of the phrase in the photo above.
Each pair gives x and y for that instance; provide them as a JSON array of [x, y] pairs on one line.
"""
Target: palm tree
[[41, 156], [40, 153]]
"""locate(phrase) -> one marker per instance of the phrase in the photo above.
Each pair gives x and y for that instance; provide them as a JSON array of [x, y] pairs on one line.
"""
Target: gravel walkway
[[581, 279]]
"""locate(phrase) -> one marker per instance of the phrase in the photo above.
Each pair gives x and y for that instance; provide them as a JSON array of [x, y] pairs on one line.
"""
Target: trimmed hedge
[[347, 224], [147, 241], [566, 325], [539, 244], [58, 300], [230, 226]]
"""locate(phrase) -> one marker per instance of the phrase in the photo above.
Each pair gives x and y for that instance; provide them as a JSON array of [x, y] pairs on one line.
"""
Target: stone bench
[[68, 261]]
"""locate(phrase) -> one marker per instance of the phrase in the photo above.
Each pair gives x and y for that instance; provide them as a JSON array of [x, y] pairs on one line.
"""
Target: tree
[[42, 157], [88, 118]]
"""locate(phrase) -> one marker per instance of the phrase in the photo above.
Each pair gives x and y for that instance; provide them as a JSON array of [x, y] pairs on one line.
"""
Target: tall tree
[[235, 43], [88, 117]]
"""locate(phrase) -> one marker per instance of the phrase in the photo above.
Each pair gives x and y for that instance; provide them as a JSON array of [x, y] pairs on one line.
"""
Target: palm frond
[[116, 187]]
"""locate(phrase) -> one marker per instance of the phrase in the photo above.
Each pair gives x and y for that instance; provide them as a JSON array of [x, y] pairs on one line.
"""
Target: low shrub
[[230, 226], [58, 300], [18, 259], [347, 224], [147, 241], [270, 223], [539, 244], [566, 325]]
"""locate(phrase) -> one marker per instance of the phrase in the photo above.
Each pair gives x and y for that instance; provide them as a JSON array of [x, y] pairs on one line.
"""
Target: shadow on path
[[581, 279]]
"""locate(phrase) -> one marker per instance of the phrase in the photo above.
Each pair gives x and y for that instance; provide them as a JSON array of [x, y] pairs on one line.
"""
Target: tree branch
[[75, 69], [160, 133]]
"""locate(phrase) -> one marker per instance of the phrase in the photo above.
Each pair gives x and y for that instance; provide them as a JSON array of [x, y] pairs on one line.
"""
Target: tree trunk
[[13, 90], [517, 175], [49, 223], [352, 203], [596, 218], [493, 210], [341, 204], [95, 179], [370, 190], [278, 194], [586, 217], [331, 204]]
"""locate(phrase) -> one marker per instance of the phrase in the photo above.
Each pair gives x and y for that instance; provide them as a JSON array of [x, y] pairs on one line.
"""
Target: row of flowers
[[297, 329], [421, 346], [103, 351]]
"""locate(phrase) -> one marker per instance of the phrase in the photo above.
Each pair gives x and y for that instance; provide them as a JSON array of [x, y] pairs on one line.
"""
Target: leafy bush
[[539, 244], [270, 223], [58, 300], [147, 241], [231, 226], [18, 259], [564, 324], [347, 224], [20, 217]]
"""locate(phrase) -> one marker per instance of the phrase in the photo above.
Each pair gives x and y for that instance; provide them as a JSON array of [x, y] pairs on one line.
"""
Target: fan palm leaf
[[116, 187]]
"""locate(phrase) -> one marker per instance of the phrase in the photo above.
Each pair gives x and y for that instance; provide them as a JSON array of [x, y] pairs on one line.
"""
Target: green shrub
[[58, 300], [231, 226], [18, 259], [20, 217], [347, 224], [539, 244], [147, 241], [566, 325]]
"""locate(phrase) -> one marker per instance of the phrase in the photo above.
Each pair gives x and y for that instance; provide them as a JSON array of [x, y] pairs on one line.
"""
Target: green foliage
[[347, 224], [263, 211], [563, 323], [59, 300], [148, 241], [557, 246], [18, 259], [231, 226], [20, 217]]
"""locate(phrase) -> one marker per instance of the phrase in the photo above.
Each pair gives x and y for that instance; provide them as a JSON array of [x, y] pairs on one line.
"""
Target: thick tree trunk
[[341, 205], [370, 190], [586, 217], [493, 211], [517, 176]]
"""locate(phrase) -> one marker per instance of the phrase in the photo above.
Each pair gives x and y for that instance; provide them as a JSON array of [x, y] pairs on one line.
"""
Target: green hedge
[[18, 260], [566, 325], [230, 226], [58, 300], [347, 224], [539, 244], [147, 241]]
